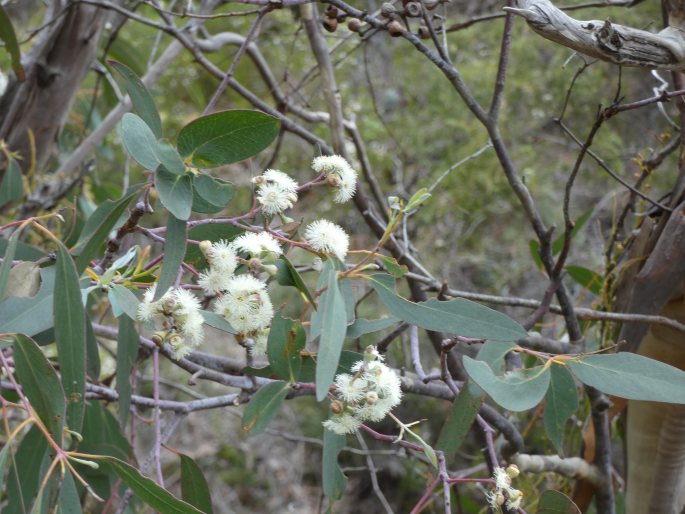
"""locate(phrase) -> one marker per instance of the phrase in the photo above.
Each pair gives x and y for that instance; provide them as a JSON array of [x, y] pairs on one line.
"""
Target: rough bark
[[54, 72]]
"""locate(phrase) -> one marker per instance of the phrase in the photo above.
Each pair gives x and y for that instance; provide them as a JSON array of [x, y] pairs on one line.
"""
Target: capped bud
[[499, 498], [371, 398], [513, 471], [158, 338], [396, 29], [337, 407], [333, 179], [515, 494], [331, 11], [259, 180], [169, 303], [270, 269], [370, 353], [254, 264], [205, 247], [354, 24], [175, 340], [424, 33]]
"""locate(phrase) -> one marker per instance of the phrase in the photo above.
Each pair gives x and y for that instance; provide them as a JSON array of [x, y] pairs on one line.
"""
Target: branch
[[603, 40]]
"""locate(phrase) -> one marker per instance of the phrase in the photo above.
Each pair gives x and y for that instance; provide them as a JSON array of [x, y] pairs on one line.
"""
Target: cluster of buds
[[504, 493], [177, 314], [368, 395]]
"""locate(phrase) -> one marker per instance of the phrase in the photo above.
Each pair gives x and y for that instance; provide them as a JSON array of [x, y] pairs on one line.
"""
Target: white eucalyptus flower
[[258, 244], [327, 237], [341, 176], [246, 304], [342, 424]]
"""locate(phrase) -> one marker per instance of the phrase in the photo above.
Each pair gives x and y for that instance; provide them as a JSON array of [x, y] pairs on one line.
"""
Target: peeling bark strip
[[604, 40]]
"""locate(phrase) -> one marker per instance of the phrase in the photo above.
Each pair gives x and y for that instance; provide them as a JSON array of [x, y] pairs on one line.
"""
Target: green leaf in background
[[561, 401], [98, 226], [11, 187], [391, 265], [41, 384], [219, 322], [516, 391], [127, 351], [32, 315], [226, 137], [462, 415], [25, 252], [8, 257], [587, 278], [123, 301], [70, 335], [288, 276], [102, 434], [140, 97], [8, 36], [558, 243], [175, 192], [69, 501], [92, 352], [139, 141], [286, 340], [24, 474], [215, 193], [211, 232], [148, 491], [194, 488], [631, 376], [458, 316], [368, 326], [263, 406], [534, 247], [334, 481], [174, 250], [554, 502], [329, 322]]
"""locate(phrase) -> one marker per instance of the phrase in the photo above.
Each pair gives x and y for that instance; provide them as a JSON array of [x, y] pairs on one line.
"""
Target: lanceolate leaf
[[458, 316], [69, 501], [11, 188], [127, 351], [263, 407], [92, 352], [22, 481], [174, 250], [330, 323], [8, 36], [334, 481], [70, 334], [175, 192], [226, 137], [561, 402], [40, 383], [98, 226], [140, 97], [554, 502], [631, 376], [194, 488], [145, 489], [586, 278], [367, 326], [463, 414], [286, 340], [517, 391]]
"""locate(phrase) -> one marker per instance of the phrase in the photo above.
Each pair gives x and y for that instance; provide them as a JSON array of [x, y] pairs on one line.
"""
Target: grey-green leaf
[[40, 383], [458, 316], [175, 192], [6, 266], [329, 322], [214, 191], [368, 326], [462, 415], [11, 187], [516, 391], [334, 481], [69, 501], [139, 140], [561, 401], [263, 406], [127, 351], [24, 474], [140, 97], [286, 340], [123, 301], [289, 276], [631, 376], [174, 250], [554, 502], [32, 315]]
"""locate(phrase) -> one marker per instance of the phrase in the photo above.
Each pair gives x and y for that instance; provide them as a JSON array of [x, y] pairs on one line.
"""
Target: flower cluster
[[178, 313], [327, 237], [368, 395], [340, 175], [276, 191], [243, 299], [504, 493]]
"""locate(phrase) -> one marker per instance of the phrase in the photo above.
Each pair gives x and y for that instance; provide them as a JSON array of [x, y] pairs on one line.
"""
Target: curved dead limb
[[604, 40]]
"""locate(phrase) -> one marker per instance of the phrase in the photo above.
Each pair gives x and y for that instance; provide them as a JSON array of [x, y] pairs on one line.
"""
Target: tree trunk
[[54, 72]]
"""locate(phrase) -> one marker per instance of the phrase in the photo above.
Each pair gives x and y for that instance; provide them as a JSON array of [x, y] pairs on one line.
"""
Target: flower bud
[[337, 407], [396, 29], [371, 398], [158, 338], [513, 471], [388, 10], [270, 269], [413, 9], [205, 247], [354, 24], [330, 24]]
